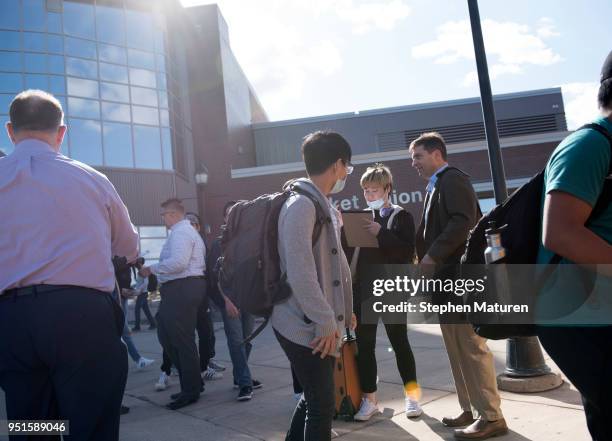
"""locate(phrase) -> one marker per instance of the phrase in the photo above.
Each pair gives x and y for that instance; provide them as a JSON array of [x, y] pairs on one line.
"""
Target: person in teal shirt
[[573, 182]]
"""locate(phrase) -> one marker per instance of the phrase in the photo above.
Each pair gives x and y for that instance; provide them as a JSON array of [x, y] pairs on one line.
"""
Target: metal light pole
[[526, 370]]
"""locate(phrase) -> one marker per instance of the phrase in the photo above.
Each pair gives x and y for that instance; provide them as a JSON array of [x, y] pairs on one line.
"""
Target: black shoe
[[181, 402], [136, 329], [124, 410], [245, 394], [257, 384], [175, 396]]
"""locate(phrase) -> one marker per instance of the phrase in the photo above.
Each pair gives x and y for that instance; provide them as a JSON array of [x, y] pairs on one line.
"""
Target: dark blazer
[[452, 210]]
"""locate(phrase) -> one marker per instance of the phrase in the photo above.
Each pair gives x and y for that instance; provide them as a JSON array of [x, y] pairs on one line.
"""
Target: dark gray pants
[[176, 323]]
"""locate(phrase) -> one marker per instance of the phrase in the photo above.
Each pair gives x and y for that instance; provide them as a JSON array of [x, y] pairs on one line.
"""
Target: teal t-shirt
[[578, 166]]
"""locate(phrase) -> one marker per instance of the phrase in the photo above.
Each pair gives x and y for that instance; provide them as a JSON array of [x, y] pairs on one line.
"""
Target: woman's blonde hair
[[377, 174]]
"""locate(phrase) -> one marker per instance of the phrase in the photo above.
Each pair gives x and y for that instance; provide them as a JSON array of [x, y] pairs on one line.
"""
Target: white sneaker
[[367, 410], [144, 362], [163, 382], [211, 374], [212, 363], [413, 409]]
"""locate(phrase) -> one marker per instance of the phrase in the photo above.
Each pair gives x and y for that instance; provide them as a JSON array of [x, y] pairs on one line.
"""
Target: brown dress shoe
[[465, 418], [483, 429]]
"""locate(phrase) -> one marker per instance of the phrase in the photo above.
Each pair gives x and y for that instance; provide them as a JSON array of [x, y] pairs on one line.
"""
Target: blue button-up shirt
[[62, 221], [434, 178]]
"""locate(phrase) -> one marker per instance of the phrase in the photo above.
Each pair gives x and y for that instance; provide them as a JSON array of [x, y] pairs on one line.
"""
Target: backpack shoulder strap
[[602, 130], [320, 215]]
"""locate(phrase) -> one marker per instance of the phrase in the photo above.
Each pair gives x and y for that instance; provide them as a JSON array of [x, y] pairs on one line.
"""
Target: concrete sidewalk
[[555, 415]]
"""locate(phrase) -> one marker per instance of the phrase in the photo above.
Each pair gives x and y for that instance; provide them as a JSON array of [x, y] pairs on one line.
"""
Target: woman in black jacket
[[394, 229]]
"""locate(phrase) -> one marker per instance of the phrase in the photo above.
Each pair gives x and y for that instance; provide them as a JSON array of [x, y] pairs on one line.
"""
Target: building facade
[[155, 99]]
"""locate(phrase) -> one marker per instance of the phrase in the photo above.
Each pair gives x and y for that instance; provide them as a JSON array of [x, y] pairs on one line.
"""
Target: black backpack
[[521, 216], [249, 266]]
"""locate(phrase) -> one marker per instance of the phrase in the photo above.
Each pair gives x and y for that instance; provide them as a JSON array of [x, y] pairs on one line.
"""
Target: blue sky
[[318, 57]]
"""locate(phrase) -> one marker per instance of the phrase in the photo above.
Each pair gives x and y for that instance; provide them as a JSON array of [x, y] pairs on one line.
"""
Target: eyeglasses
[[349, 167]]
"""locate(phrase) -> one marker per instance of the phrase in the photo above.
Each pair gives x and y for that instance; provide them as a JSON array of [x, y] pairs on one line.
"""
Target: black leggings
[[366, 360]]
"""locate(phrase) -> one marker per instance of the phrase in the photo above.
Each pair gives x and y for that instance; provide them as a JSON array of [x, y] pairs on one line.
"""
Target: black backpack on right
[[521, 215]]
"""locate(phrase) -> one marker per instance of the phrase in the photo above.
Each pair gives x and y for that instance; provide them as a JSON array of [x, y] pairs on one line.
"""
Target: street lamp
[[201, 176], [526, 370]]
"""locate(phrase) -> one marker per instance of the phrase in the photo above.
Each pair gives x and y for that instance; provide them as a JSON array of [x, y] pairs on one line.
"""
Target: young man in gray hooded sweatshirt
[[309, 325]]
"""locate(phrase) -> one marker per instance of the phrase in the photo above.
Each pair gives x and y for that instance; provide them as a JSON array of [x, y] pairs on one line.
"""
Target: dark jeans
[[61, 357], [366, 360], [206, 335], [585, 356], [236, 330], [176, 323], [312, 418], [142, 302]]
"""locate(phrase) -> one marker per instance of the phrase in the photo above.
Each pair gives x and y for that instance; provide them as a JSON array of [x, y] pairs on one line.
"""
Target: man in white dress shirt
[[180, 272]]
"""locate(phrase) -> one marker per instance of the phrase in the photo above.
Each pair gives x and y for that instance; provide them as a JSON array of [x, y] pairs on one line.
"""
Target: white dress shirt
[[183, 254]]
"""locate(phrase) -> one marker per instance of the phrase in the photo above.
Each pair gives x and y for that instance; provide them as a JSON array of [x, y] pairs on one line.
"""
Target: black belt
[[184, 278], [35, 289]]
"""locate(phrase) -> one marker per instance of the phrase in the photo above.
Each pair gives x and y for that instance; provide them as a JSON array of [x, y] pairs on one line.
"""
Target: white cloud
[[278, 45], [580, 101], [510, 46]]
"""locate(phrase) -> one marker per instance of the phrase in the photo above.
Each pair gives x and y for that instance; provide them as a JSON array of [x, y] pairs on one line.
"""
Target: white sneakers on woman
[[366, 410]]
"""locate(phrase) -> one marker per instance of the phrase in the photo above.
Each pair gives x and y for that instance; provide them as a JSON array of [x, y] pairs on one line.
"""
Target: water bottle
[[495, 251]]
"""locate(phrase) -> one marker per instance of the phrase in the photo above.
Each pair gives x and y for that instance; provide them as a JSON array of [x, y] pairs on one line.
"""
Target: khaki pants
[[473, 371]]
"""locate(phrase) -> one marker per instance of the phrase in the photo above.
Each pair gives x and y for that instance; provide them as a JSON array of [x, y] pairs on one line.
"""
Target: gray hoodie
[[319, 276]]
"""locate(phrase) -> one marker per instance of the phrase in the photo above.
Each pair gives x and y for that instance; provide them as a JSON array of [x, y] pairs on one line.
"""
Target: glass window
[[35, 63], [145, 115], [146, 97], [35, 15], [111, 24], [5, 102], [163, 99], [147, 232], [164, 118], [139, 27], [118, 145], [83, 88], [160, 46], [10, 61], [116, 112], [147, 148], [79, 19], [141, 77], [81, 68], [36, 82], [54, 22], [112, 54], [161, 81], [34, 42], [10, 12], [80, 48], [56, 64], [113, 72], [57, 84], [161, 62], [151, 248], [85, 141], [55, 44], [9, 40], [167, 148], [115, 92], [83, 108], [142, 59]]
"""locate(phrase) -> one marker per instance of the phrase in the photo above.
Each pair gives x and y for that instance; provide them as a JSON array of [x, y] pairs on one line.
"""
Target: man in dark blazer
[[450, 211]]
